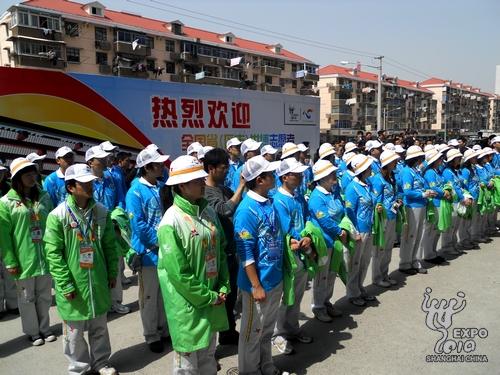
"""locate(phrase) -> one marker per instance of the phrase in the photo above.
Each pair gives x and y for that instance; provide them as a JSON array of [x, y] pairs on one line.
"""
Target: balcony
[[126, 48], [311, 77], [130, 72], [173, 56], [103, 45], [30, 32], [270, 71], [104, 69], [207, 80], [270, 88], [307, 91], [209, 60], [38, 62]]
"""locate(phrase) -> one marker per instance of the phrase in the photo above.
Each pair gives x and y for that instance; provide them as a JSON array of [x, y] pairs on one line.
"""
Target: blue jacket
[[106, 192], [144, 209], [233, 167], [347, 177], [120, 181], [398, 176], [306, 180], [434, 181], [290, 210], [495, 162], [55, 186], [470, 181], [453, 177], [385, 193], [490, 169], [259, 240], [359, 205], [482, 173], [326, 212], [413, 188]]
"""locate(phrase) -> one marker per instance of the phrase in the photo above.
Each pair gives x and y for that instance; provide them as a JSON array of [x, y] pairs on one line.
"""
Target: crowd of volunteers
[[227, 234]]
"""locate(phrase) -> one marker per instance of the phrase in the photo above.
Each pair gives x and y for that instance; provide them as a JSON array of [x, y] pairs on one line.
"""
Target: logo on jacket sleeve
[[320, 214], [245, 235]]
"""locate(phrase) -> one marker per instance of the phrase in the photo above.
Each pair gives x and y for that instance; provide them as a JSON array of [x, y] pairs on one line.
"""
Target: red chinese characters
[[164, 112], [218, 111], [241, 115], [192, 113]]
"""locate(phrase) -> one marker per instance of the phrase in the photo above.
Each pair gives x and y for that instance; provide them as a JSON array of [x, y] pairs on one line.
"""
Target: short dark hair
[[215, 157], [122, 155], [69, 183]]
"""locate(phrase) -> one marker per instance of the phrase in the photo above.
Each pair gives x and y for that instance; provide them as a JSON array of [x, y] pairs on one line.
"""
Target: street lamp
[[379, 85], [386, 112]]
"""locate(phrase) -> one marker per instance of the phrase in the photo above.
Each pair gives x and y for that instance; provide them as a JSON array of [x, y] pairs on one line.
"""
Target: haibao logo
[[458, 346]]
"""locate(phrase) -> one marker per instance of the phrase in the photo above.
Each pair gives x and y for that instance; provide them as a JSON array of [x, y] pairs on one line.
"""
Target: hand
[[70, 296], [242, 181], [447, 195], [13, 270], [221, 298], [112, 283], [490, 185], [259, 294], [380, 208], [467, 202], [294, 244], [305, 243], [343, 237]]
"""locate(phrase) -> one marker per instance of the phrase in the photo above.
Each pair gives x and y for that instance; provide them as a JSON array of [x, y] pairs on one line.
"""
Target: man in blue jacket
[[54, 183]]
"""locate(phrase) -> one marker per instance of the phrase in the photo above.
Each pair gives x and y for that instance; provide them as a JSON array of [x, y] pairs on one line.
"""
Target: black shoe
[[230, 337], [156, 347], [435, 260], [423, 271], [409, 271], [397, 244], [12, 311]]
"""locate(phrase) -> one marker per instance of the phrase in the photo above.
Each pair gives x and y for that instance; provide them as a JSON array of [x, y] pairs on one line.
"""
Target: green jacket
[[192, 269], [18, 248], [62, 247], [123, 244]]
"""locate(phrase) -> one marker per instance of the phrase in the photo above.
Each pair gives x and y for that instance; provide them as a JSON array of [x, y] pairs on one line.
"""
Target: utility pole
[[379, 94]]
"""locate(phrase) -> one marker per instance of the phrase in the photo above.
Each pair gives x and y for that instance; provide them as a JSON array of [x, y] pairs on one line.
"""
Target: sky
[[451, 39]]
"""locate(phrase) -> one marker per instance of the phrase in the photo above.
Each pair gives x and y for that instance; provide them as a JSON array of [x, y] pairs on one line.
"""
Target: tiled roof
[[128, 19], [457, 85]]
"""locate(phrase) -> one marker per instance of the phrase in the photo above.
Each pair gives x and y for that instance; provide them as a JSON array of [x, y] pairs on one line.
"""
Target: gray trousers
[[464, 232], [411, 240], [8, 293], [323, 284], [430, 240], [200, 362], [381, 258], [477, 225], [359, 266], [76, 349], [34, 297], [154, 321], [257, 324], [449, 238], [287, 322], [117, 291]]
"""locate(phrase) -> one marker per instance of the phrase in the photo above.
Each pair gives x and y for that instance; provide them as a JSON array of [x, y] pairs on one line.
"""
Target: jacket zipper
[[91, 293]]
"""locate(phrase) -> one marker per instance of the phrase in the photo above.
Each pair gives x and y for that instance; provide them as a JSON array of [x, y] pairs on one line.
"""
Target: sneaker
[[37, 340], [358, 301], [106, 370], [302, 338], [409, 271], [119, 308], [156, 346], [322, 315], [50, 337], [229, 337], [332, 311], [283, 345], [383, 284]]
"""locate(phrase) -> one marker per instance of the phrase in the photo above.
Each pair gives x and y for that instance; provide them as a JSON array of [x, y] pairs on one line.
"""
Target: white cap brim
[[453, 157], [184, 178], [350, 149], [328, 171], [328, 153], [298, 169], [434, 158], [365, 166], [100, 155], [389, 160], [272, 166], [84, 179], [471, 156], [414, 155]]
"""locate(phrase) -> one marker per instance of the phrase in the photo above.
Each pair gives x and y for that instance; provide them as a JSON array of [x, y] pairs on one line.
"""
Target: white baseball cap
[[203, 151], [389, 147], [495, 140], [453, 142], [432, 155], [322, 168], [350, 146], [257, 165], [150, 155], [184, 169], [152, 146], [268, 149], [95, 152], [108, 146], [398, 149], [63, 151], [452, 154], [370, 145], [249, 145], [414, 152], [80, 173], [325, 150], [35, 157], [302, 147], [233, 142], [469, 154], [289, 149], [290, 165], [194, 147], [360, 163], [476, 148], [387, 157], [18, 165]]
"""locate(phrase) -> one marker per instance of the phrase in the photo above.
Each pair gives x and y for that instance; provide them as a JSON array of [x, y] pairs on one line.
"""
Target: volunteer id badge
[[211, 265], [36, 234], [274, 250], [86, 256]]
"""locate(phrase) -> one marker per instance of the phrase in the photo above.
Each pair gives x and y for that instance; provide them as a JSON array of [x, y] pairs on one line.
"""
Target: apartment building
[[349, 102], [494, 113], [89, 38]]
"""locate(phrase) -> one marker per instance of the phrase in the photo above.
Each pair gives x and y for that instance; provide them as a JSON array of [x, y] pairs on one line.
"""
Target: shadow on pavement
[[135, 358], [22, 342]]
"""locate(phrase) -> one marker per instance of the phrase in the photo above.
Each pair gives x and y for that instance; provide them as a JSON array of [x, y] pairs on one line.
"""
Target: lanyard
[[83, 233]]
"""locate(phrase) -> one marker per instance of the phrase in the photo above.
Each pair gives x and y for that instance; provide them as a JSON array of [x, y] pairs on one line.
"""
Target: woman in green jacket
[[192, 269], [23, 214]]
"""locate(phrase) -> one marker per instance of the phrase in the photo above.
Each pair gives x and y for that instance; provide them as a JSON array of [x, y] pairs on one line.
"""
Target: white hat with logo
[[290, 165], [414, 152], [79, 172], [325, 150], [249, 145], [63, 151], [322, 168], [388, 157], [233, 142], [350, 146], [150, 155], [95, 152], [268, 149], [257, 165], [194, 147], [184, 169], [35, 157], [361, 163], [289, 149], [432, 155], [452, 154], [18, 165], [108, 146]]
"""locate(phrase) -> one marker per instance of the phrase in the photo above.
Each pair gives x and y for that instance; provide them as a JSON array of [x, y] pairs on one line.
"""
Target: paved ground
[[388, 337]]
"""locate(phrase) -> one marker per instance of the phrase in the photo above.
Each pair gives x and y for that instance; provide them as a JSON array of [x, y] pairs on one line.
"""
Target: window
[[177, 28], [269, 80], [255, 78], [231, 73], [101, 34], [101, 58], [71, 29], [129, 37], [294, 84], [24, 19], [37, 49], [73, 55], [96, 11], [169, 45], [169, 67]]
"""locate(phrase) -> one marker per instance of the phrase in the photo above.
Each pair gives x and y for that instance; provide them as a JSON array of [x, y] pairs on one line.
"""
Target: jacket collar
[[322, 189], [70, 201], [59, 173], [360, 182], [256, 197], [284, 192], [188, 207]]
